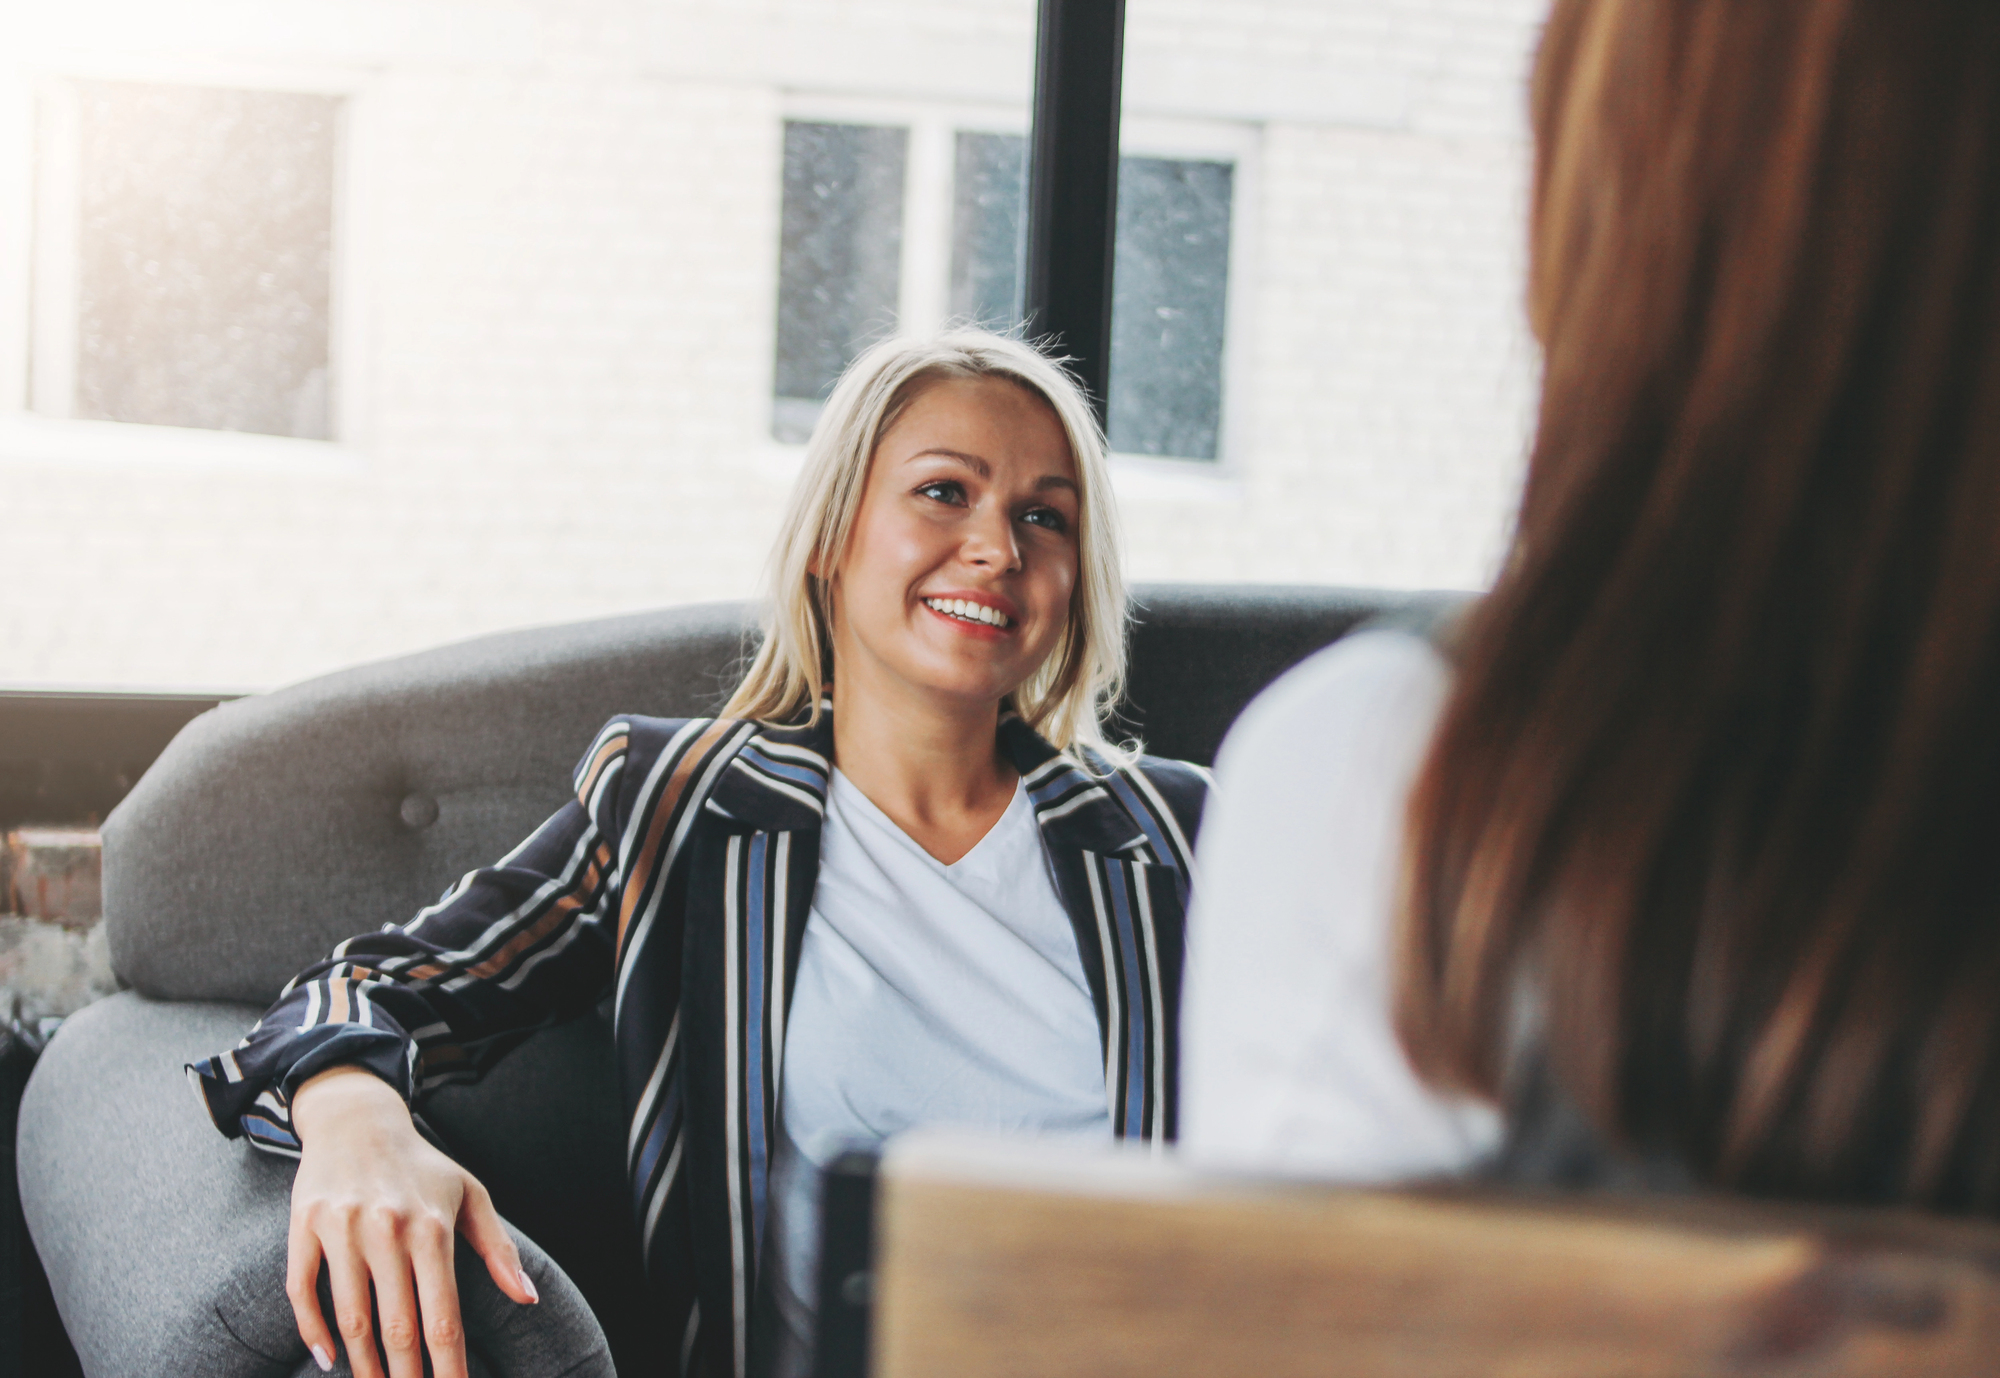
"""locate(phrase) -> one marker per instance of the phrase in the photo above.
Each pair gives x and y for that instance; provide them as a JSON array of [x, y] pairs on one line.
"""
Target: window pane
[[205, 228], [840, 264], [1168, 297], [988, 197]]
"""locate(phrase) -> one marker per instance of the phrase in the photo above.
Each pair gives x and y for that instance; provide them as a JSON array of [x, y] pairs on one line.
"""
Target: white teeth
[[967, 610]]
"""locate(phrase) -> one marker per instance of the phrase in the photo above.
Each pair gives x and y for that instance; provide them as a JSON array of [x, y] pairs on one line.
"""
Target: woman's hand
[[378, 1204]]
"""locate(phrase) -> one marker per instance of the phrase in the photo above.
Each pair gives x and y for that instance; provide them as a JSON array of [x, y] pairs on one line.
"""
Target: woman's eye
[[943, 490], [1046, 516]]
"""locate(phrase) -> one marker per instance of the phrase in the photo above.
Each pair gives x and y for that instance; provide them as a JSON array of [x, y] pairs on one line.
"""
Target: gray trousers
[[165, 1244]]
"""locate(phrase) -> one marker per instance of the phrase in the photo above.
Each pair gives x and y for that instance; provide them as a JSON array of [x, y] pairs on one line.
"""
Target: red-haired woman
[[1703, 801]]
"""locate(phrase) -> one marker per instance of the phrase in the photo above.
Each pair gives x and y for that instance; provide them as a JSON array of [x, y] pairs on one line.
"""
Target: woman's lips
[[975, 616]]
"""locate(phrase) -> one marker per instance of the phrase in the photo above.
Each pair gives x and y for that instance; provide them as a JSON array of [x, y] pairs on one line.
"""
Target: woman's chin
[[965, 690], [967, 665], [959, 673]]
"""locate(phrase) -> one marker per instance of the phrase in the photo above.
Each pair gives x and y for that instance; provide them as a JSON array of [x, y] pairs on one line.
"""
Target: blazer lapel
[[750, 888], [1119, 876]]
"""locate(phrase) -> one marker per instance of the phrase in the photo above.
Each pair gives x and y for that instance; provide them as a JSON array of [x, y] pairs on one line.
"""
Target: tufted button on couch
[[275, 826]]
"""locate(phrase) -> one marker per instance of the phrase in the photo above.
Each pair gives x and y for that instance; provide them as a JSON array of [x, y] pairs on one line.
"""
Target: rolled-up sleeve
[[508, 949]]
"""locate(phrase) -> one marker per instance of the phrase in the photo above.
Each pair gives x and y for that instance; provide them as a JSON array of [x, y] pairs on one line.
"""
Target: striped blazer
[[678, 880]]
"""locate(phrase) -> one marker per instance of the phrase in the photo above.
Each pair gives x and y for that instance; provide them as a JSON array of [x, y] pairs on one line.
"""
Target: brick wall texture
[[557, 262]]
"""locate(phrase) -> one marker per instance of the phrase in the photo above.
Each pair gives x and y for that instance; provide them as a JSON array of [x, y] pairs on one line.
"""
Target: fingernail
[[323, 1359], [528, 1286]]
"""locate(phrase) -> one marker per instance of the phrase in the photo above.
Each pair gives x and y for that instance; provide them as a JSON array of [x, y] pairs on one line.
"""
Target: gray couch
[[274, 826]]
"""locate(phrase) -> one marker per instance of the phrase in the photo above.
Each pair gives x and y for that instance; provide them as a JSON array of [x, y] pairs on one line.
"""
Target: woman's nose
[[990, 543]]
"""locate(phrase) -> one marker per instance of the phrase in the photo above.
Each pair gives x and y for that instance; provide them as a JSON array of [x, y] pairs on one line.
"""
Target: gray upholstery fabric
[[275, 826], [165, 1246]]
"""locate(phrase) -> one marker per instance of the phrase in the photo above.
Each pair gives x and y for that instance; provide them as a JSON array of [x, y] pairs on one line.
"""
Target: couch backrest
[[276, 825]]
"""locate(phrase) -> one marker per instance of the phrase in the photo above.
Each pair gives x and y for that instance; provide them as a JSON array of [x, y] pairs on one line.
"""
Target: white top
[[927, 995], [1289, 1059]]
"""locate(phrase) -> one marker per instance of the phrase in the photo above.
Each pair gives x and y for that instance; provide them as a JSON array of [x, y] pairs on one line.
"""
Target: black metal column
[[1073, 183]]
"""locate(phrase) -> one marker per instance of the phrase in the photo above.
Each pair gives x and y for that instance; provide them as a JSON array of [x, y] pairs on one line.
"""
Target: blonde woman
[[903, 879]]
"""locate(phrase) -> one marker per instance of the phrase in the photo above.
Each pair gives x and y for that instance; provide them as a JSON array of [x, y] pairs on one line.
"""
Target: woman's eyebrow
[[972, 462], [985, 470]]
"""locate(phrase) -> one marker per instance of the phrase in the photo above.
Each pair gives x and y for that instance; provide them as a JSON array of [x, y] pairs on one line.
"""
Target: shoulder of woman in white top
[[1338, 699], [1312, 778], [1289, 1056]]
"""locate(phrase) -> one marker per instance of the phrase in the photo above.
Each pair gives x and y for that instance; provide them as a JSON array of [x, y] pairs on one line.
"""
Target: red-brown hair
[[1719, 784]]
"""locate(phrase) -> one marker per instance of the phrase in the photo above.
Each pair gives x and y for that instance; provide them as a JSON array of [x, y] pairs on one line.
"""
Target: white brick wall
[[563, 256]]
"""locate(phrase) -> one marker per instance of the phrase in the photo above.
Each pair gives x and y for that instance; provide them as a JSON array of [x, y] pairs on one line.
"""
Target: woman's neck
[[934, 768]]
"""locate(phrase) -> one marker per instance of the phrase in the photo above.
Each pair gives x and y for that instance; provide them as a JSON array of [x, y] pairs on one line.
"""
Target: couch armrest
[[165, 1244]]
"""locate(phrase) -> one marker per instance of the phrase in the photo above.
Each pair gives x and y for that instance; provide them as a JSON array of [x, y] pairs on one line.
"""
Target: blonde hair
[[1069, 696]]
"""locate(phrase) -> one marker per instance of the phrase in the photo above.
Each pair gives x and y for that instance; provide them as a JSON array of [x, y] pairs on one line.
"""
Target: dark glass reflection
[[1169, 295], [987, 245], [1170, 288], [840, 260]]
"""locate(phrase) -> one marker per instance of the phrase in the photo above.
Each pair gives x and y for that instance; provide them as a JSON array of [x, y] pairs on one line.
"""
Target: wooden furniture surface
[[1013, 1258]]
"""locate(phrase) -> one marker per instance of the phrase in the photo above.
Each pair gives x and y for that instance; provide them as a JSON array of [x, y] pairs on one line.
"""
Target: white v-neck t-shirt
[[927, 994]]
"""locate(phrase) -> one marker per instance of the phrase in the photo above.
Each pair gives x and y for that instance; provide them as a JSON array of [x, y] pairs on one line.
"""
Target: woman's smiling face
[[958, 572]]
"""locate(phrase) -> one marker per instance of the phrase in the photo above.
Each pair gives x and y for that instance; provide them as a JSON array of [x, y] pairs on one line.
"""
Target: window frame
[[924, 295], [38, 190]]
